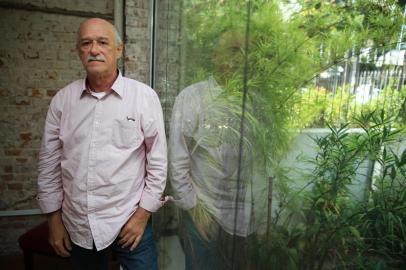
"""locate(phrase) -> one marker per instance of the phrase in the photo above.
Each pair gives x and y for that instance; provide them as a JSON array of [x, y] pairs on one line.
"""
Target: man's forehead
[[99, 28], [93, 37]]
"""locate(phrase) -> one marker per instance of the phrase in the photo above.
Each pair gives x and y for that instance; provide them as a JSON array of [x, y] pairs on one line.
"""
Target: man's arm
[[50, 193], [183, 120], [156, 168]]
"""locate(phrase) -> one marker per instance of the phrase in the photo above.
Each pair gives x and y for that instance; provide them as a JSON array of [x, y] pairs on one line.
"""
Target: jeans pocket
[[144, 256]]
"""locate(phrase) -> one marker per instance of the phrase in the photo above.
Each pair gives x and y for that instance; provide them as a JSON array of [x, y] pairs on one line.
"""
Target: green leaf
[[355, 232], [393, 173], [403, 159]]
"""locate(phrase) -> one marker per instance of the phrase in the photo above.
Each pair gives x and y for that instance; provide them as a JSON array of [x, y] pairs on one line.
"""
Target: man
[[215, 179], [102, 164], [223, 209]]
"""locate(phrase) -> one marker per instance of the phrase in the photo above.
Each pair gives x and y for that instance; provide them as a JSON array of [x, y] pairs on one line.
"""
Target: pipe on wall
[[152, 45], [119, 17]]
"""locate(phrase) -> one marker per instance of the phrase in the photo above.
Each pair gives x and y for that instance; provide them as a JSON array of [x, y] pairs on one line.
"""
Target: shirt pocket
[[126, 134]]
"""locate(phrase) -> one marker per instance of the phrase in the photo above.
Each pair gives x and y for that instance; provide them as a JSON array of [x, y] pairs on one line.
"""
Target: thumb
[[66, 242]]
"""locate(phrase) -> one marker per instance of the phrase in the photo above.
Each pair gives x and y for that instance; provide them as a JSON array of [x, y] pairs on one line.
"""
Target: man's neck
[[101, 83]]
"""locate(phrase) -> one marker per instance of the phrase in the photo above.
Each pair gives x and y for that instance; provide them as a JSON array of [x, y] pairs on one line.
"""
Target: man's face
[[228, 56], [97, 47]]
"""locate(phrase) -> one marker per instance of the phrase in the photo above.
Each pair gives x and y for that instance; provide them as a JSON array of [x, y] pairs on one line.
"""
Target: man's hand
[[203, 221], [133, 230], [58, 236]]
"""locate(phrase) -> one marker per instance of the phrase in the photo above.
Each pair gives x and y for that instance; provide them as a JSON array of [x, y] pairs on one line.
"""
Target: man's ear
[[119, 51]]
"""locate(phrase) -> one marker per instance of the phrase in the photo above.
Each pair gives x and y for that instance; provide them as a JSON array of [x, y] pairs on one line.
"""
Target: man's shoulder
[[195, 90], [68, 92], [139, 87], [71, 88]]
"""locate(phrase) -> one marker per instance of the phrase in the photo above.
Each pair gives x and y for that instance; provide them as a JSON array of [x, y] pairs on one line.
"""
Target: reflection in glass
[[252, 188]]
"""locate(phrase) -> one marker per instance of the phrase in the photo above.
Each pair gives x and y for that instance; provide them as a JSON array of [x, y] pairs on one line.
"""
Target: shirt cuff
[[150, 203], [186, 202], [50, 205]]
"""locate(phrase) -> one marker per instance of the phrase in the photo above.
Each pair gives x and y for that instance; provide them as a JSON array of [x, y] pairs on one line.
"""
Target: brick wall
[[37, 58]]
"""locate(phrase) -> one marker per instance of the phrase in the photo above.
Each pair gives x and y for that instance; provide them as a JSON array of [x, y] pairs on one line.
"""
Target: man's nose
[[94, 49]]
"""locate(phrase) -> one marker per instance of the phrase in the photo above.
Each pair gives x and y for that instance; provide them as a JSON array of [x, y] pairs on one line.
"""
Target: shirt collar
[[118, 86], [213, 83], [214, 87]]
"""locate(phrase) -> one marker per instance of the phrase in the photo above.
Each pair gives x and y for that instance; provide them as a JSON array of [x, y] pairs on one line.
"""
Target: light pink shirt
[[101, 159]]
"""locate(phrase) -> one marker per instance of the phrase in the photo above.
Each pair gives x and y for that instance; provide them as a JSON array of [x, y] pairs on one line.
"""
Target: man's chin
[[94, 70]]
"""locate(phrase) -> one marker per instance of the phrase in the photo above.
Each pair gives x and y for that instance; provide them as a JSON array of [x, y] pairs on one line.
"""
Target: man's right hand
[[58, 236]]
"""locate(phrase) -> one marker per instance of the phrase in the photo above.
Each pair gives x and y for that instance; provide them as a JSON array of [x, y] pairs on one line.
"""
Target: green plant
[[382, 216], [322, 226], [315, 231], [319, 107]]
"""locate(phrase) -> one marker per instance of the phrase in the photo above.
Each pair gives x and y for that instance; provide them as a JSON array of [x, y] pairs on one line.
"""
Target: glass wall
[[252, 186]]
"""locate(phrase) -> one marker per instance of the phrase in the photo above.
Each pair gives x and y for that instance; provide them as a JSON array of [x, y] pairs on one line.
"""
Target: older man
[[102, 164]]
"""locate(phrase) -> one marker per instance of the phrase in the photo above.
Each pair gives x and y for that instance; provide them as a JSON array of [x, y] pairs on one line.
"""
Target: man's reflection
[[204, 157]]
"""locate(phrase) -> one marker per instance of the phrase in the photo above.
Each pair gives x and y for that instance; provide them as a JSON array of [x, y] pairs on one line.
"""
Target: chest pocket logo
[[126, 134]]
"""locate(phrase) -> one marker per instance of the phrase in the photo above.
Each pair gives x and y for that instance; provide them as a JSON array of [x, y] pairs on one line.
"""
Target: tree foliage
[[278, 53]]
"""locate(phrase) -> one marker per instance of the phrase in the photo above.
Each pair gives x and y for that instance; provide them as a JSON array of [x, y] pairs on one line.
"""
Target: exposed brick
[[52, 75], [51, 93], [4, 93], [22, 101], [26, 136], [15, 186], [35, 93], [8, 169], [12, 152], [7, 177], [21, 160], [31, 55]]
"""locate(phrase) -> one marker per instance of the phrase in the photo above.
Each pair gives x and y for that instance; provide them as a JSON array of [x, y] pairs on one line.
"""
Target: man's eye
[[104, 43], [86, 43]]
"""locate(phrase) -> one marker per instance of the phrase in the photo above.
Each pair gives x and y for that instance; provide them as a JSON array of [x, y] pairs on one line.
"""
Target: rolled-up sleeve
[[179, 156], [50, 193], [156, 155]]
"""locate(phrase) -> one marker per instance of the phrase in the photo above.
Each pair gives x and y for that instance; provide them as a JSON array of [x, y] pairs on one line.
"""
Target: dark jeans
[[215, 253], [143, 257]]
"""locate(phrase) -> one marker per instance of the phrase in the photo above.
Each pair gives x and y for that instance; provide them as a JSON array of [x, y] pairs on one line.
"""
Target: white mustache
[[99, 58]]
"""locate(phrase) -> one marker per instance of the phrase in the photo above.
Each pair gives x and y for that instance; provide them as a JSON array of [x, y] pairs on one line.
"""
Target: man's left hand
[[132, 232]]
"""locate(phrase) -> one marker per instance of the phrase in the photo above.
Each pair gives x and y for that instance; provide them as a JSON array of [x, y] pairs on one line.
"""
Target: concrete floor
[[171, 256]]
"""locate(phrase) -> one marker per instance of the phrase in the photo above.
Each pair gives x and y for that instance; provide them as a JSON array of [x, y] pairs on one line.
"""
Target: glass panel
[[264, 170]]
